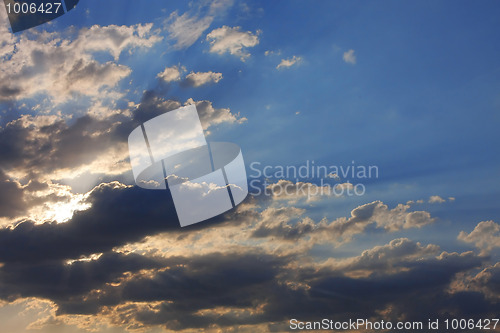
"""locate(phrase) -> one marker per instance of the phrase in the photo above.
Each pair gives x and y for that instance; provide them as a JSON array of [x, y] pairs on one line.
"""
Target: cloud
[[170, 74], [436, 199], [250, 288], [200, 78], [118, 215], [343, 229], [7, 39], [205, 277], [486, 236], [48, 147], [349, 57], [210, 116], [333, 176], [115, 39], [12, 202], [233, 41], [60, 67], [193, 79], [37, 200], [53, 148], [69, 284], [186, 29], [386, 258], [287, 63], [271, 52], [124, 260], [488, 282]]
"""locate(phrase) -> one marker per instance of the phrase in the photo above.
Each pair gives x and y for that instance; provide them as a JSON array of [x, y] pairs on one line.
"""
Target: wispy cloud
[[187, 29], [286, 63]]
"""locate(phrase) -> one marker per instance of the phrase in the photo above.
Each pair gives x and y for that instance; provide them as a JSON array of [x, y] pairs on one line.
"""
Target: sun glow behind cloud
[[59, 211], [64, 211]]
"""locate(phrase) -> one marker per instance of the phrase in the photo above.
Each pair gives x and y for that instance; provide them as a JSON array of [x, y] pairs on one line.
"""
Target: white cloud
[[186, 29], [232, 40], [385, 257], [170, 74], [193, 79], [343, 229], [50, 64], [389, 219], [270, 53], [486, 236], [200, 78], [210, 116], [115, 39], [436, 199], [349, 57], [333, 176], [286, 63], [219, 6]]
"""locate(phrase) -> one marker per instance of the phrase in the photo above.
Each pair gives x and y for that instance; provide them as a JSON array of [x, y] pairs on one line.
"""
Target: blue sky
[[409, 87], [419, 102]]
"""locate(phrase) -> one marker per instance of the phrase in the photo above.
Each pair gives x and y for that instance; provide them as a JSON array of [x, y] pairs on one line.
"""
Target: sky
[[409, 89]]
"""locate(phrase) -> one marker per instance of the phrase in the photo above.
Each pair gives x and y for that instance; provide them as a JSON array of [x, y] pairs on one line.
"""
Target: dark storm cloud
[[213, 280], [118, 215], [152, 104], [16, 200], [427, 276], [333, 294], [245, 279], [11, 197], [39, 147], [58, 281], [254, 280], [46, 148], [240, 281], [216, 279]]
